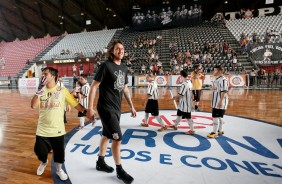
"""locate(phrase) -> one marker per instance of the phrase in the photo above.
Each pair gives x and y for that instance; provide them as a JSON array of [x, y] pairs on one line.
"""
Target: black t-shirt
[[112, 78]]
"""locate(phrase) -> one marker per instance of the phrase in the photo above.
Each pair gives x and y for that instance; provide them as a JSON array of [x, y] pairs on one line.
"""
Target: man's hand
[[133, 112], [91, 114]]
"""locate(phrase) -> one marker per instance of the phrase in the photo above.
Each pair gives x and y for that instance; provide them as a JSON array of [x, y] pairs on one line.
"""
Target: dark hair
[[183, 73], [84, 76], [111, 49], [219, 67], [53, 72]]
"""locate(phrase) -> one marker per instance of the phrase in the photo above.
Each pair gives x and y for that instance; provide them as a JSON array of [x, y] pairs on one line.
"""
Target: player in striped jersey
[[185, 103], [151, 102], [83, 98], [219, 101]]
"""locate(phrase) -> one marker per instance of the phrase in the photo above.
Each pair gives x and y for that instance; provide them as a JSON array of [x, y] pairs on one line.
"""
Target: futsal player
[[185, 103], [219, 101], [151, 102], [83, 98]]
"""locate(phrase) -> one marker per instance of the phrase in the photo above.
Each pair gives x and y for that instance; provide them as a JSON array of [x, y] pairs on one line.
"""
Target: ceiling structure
[[24, 19]]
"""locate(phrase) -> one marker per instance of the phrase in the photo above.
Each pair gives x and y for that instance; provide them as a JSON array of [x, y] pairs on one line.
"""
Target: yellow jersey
[[51, 111], [197, 80]]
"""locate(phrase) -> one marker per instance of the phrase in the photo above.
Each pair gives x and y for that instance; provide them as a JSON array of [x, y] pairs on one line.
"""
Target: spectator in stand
[[81, 69], [161, 71], [63, 52], [261, 75], [252, 77], [244, 45], [275, 77], [155, 70], [74, 68], [234, 61]]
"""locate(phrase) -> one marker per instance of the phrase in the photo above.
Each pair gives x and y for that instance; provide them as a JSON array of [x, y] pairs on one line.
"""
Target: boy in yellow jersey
[[50, 132], [197, 82]]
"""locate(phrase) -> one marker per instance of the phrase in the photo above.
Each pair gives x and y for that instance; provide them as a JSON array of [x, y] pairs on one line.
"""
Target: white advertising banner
[[28, 82]]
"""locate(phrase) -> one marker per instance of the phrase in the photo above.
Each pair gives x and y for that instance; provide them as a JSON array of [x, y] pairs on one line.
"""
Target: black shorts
[[197, 95], [111, 124], [218, 113], [43, 145], [152, 107], [80, 114], [184, 115]]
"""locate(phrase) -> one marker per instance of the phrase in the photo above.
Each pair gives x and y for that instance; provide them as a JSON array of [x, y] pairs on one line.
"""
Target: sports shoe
[[41, 168], [220, 132], [173, 126], [102, 166], [144, 124], [126, 178], [162, 129], [62, 175], [190, 132], [212, 135], [80, 127]]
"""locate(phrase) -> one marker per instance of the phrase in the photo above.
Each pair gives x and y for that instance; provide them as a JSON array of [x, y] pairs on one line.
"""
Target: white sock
[[191, 124], [146, 118], [81, 121], [215, 124], [160, 121], [220, 125], [58, 166], [178, 119]]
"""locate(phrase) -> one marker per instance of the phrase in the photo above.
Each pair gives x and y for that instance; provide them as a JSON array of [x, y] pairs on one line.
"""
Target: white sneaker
[[62, 175], [41, 168]]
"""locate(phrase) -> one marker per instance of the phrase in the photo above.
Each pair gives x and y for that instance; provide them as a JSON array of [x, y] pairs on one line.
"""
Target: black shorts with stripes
[[184, 115], [152, 107], [218, 113]]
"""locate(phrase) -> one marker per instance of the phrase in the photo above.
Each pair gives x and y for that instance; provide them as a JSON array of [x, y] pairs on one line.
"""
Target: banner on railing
[[175, 80], [28, 82]]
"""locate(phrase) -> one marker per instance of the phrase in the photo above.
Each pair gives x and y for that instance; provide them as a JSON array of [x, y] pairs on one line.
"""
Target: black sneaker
[[126, 178], [102, 166]]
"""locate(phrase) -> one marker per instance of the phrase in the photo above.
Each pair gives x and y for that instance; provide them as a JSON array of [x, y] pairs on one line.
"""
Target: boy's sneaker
[[173, 126], [190, 132], [144, 125], [102, 166], [162, 129], [220, 132], [62, 175], [41, 168], [79, 128], [126, 178], [212, 135]]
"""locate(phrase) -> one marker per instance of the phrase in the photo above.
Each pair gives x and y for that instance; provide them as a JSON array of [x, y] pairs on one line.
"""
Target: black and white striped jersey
[[153, 91], [185, 102], [220, 85], [84, 91]]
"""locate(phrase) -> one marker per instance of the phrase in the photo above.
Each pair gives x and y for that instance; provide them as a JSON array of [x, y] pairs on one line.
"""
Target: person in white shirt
[[185, 103], [219, 101], [151, 102]]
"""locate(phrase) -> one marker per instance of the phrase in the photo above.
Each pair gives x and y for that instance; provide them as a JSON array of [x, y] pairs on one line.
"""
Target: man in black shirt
[[111, 78]]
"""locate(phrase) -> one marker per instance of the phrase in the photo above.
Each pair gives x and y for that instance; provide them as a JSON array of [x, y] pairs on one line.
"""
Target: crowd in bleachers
[[211, 54], [143, 57]]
